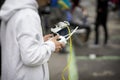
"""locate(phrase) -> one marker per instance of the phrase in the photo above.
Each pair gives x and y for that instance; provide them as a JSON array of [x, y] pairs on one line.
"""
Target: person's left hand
[[47, 37], [85, 13]]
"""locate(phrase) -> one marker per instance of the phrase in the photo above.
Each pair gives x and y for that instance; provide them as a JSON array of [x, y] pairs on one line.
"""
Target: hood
[[10, 7]]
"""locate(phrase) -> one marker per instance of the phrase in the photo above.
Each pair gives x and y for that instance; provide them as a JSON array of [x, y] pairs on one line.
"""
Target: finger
[[60, 47], [56, 37], [57, 50], [63, 44], [50, 35]]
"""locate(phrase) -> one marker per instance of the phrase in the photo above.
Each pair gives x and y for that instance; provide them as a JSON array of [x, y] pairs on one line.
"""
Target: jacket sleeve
[[33, 50]]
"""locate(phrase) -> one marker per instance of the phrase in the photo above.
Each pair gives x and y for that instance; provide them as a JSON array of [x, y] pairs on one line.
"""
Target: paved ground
[[105, 61], [56, 66], [106, 65]]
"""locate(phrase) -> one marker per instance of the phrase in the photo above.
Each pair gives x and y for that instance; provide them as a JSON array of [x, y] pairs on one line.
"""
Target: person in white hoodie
[[25, 52]]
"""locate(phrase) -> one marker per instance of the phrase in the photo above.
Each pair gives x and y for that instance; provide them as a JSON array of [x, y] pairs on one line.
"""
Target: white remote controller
[[62, 40]]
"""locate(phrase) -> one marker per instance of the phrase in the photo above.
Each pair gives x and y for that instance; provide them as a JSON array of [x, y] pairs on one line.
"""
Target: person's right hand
[[58, 45], [85, 13]]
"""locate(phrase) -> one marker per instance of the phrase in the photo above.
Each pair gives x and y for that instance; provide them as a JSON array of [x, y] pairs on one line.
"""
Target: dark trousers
[[97, 33], [101, 20]]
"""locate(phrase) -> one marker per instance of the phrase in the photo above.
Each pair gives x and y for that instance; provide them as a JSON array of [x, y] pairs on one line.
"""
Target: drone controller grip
[[62, 40]]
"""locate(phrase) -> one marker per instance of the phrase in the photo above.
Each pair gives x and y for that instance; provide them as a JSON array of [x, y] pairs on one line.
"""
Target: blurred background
[[96, 44]]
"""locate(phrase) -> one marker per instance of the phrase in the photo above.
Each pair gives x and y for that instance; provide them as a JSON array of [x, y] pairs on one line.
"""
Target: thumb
[[56, 37]]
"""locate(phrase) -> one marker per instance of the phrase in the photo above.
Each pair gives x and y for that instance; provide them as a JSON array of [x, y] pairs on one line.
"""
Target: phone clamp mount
[[60, 28]]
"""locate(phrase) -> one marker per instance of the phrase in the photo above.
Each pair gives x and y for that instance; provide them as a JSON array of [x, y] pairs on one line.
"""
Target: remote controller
[[62, 40]]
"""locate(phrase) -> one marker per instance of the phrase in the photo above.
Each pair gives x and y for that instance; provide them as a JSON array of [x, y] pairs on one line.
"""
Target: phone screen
[[63, 32]]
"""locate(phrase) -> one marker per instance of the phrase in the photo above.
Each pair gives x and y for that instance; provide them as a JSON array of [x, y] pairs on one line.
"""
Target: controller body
[[62, 26], [62, 39], [59, 27]]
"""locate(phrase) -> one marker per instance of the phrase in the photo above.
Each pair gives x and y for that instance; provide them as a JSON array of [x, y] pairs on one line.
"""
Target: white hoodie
[[24, 53]]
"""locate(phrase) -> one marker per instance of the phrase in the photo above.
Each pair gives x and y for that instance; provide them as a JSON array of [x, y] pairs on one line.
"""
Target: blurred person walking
[[101, 20], [80, 17], [25, 52]]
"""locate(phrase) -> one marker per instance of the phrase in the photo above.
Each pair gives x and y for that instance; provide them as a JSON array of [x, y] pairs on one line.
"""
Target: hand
[[47, 37], [85, 13], [58, 45]]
